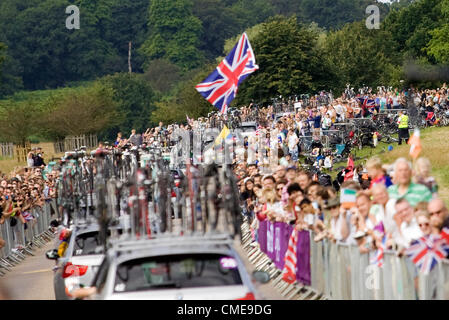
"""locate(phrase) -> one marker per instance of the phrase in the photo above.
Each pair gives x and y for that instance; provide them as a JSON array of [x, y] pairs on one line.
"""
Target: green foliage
[[410, 26], [287, 59], [2, 54], [80, 111], [333, 14], [162, 75], [133, 97], [173, 34], [359, 56], [438, 46], [18, 120], [186, 102]]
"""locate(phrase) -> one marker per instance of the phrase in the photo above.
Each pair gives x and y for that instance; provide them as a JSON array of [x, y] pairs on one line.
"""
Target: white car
[[187, 267]]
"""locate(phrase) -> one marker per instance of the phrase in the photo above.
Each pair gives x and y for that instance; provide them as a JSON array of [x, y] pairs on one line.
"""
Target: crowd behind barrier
[[340, 271], [27, 207]]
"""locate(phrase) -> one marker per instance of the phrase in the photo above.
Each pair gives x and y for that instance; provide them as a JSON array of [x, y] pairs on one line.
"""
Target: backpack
[[325, 180]]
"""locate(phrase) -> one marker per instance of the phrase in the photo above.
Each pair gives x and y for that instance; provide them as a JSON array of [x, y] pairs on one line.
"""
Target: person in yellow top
[[403, 132]]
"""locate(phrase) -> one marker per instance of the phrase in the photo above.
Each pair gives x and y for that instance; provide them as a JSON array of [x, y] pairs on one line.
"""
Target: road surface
[[30, 280]]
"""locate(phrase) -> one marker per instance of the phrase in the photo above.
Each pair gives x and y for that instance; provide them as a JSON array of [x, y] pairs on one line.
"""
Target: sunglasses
[[424, 224]]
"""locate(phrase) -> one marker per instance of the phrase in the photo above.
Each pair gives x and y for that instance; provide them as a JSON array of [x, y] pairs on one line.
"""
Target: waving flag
[[367, 104], [289, 272], [415, 144], [220, 87], [378, 258], [224, 135], [426, 252]]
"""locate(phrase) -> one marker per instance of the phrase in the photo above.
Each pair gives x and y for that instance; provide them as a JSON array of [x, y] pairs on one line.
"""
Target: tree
[[360, 56], [2, 54], [334, 14], [133, 97], [218, 22], [287, 59], [18, 120], [78, 111], [162, 75], [409, 28], [173, 34], [438, 46], [187, 101]]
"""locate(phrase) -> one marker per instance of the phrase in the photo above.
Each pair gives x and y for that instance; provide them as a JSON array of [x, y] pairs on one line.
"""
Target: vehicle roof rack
[[175, 240]]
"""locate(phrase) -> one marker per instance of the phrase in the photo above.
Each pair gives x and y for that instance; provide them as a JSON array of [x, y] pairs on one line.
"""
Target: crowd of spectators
[[26, 191], [395, 207], [397, 201]]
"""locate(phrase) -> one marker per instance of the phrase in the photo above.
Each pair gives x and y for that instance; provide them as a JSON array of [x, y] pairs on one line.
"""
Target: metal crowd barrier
[[339, 271], [21, 242], [342, 272]]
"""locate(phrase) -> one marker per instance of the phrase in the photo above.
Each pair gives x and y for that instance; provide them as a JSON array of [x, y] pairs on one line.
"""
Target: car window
[[101, 276], [87, 244], [177, 271]]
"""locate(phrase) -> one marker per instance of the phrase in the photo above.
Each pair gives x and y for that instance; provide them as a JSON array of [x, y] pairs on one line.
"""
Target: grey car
[[187, 267]]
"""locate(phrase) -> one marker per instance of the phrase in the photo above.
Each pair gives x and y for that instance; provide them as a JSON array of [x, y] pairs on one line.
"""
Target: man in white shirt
[[339, 110], [407, 228]]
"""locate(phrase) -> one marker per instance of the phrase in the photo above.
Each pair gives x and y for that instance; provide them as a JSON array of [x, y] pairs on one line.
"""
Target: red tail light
[[73, 270], [248, 296]]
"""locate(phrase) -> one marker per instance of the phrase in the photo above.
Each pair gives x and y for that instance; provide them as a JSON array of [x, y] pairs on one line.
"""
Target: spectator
[[362, 223], [303, 179], [404, 187], [376, 172], [339, 230], [423, 219], [30, 159], [439, 214], [268, 182], [422, 175], [407, 227]]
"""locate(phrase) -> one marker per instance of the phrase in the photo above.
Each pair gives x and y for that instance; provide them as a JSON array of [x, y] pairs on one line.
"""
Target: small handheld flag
[[224, 134], [220, 87], [415, 144]]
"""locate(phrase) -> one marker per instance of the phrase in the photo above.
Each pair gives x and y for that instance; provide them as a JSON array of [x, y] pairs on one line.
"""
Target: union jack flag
[[426, 252], [220, 87], [367, 104]]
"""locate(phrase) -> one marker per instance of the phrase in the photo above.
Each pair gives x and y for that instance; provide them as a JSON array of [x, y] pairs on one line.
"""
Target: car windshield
[[177, 271], [87, 244], [249, 128]]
